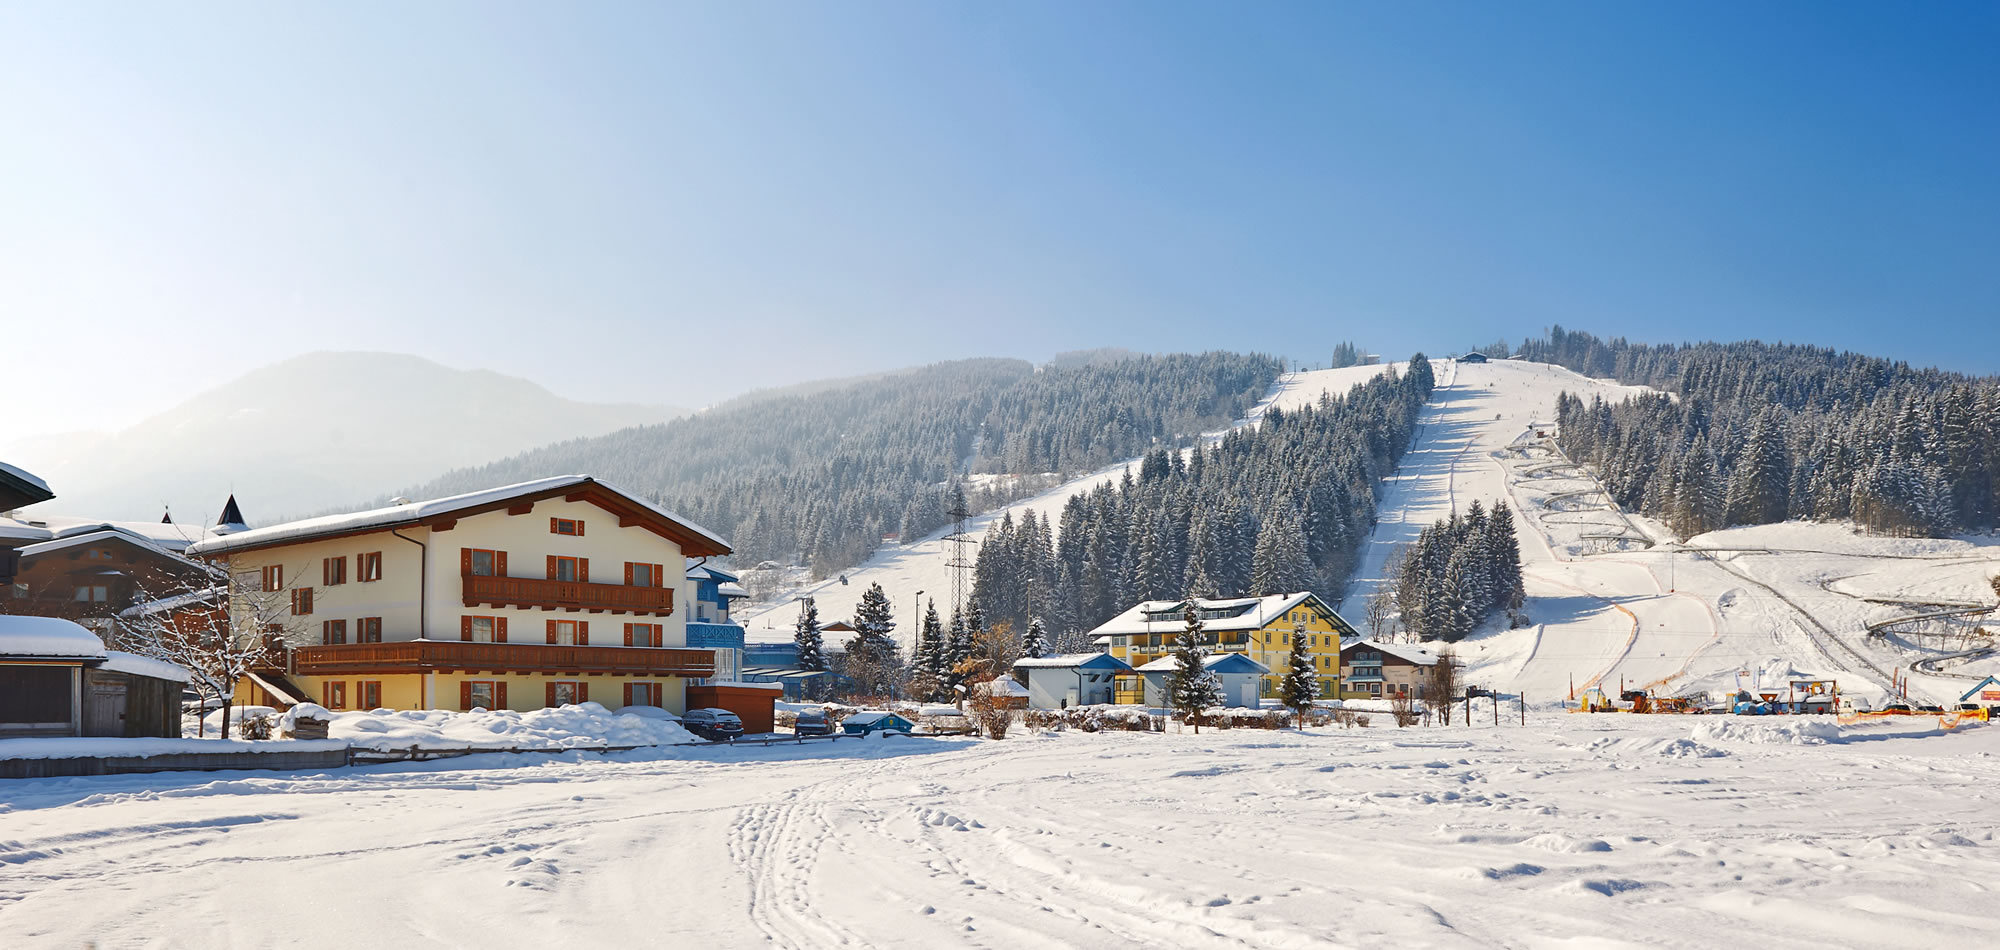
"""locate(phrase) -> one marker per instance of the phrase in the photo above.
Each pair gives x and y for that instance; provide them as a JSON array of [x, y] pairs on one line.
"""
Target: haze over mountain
[[309, 433]]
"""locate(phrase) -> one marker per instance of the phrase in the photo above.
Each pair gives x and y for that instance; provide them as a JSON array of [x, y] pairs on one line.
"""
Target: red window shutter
[[326, 570], [500, 695], [579, 527], [465, 560], [549, 694], [628, 695], [552, 567], [500, 630], [628, 634], [628, 573], [500, 563], [552, 631], [583, 570], [552, 525], [659, 575], [582, 692], [465, 628], [583, 633]]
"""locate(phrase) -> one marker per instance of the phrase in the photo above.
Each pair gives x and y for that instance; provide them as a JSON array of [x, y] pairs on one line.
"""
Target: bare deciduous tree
[[219, 631], [1441, 685]]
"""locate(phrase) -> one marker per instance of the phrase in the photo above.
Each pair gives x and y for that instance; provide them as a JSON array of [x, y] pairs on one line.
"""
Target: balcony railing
[[721, 636], [566, 595], [431, 656]]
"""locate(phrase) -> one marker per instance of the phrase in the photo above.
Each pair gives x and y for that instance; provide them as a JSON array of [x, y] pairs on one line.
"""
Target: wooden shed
[[57, 680]]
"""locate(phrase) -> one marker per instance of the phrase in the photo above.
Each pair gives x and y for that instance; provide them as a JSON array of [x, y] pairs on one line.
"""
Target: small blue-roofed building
[[1075, 679], [1237, 674], [709, 593], [863, 723], [1985, 693]]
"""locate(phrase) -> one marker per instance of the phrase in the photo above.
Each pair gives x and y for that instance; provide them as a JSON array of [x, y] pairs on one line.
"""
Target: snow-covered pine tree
[[1300, 686], [1504, 559], [1759, 481], [806, 638], [1280, 565], [1035, 643], [1192, 687], [958, 647], [872, 651], [927, 666]]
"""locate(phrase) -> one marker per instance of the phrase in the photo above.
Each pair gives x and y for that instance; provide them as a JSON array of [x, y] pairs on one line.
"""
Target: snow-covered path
[[1574, 830]]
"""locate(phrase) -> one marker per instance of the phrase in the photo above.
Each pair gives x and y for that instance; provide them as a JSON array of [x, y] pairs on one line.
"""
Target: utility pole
[[957, 563]]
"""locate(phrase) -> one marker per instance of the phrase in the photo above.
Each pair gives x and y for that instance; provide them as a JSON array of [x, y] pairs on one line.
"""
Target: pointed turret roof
[[232, 518]]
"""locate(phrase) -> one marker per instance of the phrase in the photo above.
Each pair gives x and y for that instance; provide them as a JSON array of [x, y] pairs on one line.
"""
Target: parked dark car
[[813, 723], [1475, 692], [1928, 709], [1898, 709], [719, 725]]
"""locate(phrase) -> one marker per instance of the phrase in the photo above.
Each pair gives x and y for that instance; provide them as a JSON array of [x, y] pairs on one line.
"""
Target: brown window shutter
[[579, 527], [465, 560], [552, 525], [583, 691], [500, 563], [464, 695], [549, 694], [628, 695], [552, 631], [465, 628], [659, 575], [500, 630], [326, 570], [583, 570], [628, 634], [552, 567], [628, 573], [500, 695], [583, 633]]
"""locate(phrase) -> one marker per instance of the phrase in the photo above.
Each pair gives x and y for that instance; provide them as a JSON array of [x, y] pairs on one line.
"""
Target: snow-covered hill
[[1619, 600], [904, 570]]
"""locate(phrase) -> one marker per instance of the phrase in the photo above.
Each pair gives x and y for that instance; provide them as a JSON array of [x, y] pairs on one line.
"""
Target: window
[[569, 632], [335, 695], [566, 693], [369, 630], [566, 526], [333, 571], [643, 575], [368, 567], [332, 632], [273, 578], [642, 694], [483, 629], [368, 694], [95, 554], [302, 601], [482, 694], [569, 569], [20, 591], [644, 634], [483, 563]]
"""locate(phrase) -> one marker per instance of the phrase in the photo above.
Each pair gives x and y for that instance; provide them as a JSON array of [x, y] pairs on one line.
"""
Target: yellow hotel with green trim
[[1263, 628]]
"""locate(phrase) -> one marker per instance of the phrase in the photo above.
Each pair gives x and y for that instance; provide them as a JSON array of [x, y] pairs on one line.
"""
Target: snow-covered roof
[[137, 665], [1250, 613], [710, 572], [1214, 663], [731, 589], [13, 530], [70, 540], [409, 513], [739, 684], [32, 479], [48, 637], [1071, 661], [166, 534], [1401, 651], [212, 596], [1004, 687]]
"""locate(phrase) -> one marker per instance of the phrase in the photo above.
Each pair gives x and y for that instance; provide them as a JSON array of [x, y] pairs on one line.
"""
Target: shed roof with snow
[[1097, 662], [1214, 663]]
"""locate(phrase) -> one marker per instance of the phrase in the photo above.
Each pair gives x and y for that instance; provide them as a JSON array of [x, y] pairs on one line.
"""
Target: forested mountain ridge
[[828, 472], [1764, 432]]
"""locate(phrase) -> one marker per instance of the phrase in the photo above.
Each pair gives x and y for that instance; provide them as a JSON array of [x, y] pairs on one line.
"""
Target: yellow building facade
[[1266, 629]]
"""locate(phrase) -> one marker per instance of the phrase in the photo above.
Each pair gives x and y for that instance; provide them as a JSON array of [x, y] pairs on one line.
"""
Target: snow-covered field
[[905, 569], [1575, 830]]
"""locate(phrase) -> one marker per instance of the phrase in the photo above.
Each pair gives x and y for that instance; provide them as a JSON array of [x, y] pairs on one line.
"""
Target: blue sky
[[674, 203]]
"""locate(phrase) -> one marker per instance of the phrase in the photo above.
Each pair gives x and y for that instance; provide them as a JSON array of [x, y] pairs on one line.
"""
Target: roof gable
[[444, 513]]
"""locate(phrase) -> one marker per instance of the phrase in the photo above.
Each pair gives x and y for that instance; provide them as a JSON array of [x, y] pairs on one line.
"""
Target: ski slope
[[904, 570], [1617, 601]]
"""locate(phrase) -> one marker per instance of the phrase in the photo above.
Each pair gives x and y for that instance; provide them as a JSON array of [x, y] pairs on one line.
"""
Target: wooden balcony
[[533, 592], [437, 656]]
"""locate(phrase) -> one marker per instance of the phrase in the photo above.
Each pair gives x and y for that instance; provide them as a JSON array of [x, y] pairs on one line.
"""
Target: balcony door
[[569, 632]]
